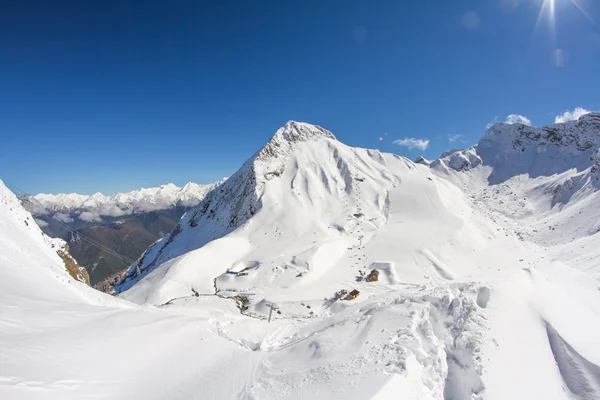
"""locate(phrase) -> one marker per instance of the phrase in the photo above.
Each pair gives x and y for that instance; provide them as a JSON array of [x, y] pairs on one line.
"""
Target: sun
[[548, 11]]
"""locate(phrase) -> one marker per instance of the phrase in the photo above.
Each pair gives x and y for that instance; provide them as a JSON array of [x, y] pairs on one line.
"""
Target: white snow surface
[[142, 200], [474, 299]]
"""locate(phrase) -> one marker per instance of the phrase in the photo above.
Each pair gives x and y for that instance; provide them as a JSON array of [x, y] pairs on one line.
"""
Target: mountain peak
[[287, 136], [589, 121], [302, 131], [422, 160], [301, 166]]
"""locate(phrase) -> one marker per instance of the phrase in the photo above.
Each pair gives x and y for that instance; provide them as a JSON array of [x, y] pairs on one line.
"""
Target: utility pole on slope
[[272, 306]]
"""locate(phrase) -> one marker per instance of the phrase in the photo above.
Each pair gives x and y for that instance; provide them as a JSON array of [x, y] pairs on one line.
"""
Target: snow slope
[[28, 257], [466, 305], [119, 204], [539, 183]]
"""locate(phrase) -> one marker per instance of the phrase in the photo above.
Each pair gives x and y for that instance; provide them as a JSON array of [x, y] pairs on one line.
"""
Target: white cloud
[[41, 223], [570, 115], [103, 210], [89, 216], [454, 138], [518, 119], [413, 143], [112, 210], [64, 218]]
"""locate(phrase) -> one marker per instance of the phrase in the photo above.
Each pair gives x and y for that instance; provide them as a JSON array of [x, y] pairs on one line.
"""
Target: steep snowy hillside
[[30, 259], [539, 183]]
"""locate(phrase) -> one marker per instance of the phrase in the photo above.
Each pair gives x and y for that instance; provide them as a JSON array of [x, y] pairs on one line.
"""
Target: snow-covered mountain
[[517, 149], [98, 205], [539, 183], [474, 300]]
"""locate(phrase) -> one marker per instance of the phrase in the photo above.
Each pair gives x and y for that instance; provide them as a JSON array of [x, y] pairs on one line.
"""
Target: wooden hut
[[352, 295], [373, 276]]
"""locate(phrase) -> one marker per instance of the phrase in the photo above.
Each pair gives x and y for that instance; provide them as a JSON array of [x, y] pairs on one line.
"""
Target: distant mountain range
[[98, 226], [93, 208]]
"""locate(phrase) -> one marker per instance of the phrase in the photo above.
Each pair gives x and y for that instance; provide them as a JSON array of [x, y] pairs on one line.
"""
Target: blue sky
[[115, 95]]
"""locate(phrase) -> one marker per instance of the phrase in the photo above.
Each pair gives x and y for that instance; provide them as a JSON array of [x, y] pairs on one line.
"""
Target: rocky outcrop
[[76, 271], [422, 160], [595, 171]]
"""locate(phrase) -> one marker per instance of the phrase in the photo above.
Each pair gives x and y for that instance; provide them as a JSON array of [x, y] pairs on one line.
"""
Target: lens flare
[[585, 13], [548, 11]]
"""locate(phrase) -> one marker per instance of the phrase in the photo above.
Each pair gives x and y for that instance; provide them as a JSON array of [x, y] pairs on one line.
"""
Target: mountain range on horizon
[[95, 206]]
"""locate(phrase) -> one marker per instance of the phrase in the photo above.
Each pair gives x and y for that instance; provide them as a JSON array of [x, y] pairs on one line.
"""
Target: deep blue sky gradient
[[115, 95]]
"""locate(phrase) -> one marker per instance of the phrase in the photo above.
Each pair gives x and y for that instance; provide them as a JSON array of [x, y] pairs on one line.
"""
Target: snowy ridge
[[515, 149], [458, 160], [119, 204]]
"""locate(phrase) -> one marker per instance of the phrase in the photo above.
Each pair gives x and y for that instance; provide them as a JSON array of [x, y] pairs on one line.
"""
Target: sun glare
[[585, 13], [548, 12]]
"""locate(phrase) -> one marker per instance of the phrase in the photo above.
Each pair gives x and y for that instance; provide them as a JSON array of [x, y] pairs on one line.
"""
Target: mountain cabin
[[352, 295], [373, 276]]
